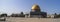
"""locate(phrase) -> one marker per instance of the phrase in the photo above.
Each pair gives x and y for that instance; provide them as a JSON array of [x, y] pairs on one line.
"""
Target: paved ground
[[17, 19]]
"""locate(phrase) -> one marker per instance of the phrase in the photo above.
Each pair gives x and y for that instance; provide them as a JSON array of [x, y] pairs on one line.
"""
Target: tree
[[55, 13], [4, 15], [56, 16], [22, 13]]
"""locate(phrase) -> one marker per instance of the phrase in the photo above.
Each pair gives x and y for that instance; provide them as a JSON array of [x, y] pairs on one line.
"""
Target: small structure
[[18, 15], [2, 19], [50, 16]]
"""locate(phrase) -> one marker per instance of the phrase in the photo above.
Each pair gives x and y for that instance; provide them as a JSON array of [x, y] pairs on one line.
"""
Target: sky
[[17, 6]]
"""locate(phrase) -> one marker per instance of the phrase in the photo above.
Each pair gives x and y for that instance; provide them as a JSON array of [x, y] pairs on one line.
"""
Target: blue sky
[[17, 6]]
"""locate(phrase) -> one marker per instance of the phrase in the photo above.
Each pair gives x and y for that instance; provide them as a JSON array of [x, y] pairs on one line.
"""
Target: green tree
[[4, 15]]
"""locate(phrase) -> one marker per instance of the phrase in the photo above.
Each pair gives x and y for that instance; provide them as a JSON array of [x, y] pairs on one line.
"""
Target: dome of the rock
[[36, 8]]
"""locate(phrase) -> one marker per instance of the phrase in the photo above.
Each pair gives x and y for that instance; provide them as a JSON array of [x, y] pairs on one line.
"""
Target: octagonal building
[[36, 12]]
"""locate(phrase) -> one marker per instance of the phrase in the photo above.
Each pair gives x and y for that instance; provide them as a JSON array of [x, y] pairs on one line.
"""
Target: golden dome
[[35, 7]]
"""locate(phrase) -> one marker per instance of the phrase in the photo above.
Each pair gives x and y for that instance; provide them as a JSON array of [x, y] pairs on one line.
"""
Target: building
[[18, 15], [36, 12]]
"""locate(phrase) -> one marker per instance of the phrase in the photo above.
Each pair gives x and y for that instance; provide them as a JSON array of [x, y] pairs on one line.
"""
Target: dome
[[35, 7]]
